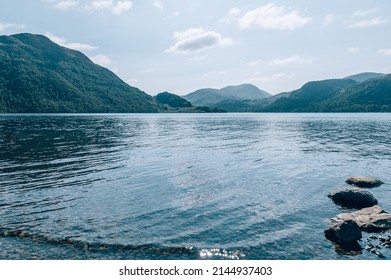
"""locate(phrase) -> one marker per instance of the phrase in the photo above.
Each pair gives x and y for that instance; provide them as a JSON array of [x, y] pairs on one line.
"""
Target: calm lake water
[[183, 186]]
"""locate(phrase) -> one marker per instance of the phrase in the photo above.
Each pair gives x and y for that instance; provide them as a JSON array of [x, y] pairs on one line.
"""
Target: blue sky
[[183, 45]]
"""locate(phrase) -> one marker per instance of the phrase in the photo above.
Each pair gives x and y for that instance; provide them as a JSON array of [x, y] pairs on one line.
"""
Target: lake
[[183, 186]]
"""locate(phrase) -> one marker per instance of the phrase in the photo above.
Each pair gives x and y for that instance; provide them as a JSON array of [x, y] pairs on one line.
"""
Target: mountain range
[[39, 76], [211, 97], [363, 92]]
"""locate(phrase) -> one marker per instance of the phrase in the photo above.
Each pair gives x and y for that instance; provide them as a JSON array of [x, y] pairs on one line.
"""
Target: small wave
[[110, 251]]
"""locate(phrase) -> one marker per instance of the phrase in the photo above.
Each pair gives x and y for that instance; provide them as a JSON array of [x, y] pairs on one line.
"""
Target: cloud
[[328, 20], [75, 46], [5, 26], [232, 15], [132, 81], [367, 22], [66, 4], [116, 7], [386, 52], [295, 59], [198, 39], [158, 5], [102, 60], [271, 17], [263, 79], [365, 18], [363, 13], [354, 49], [253, 63]]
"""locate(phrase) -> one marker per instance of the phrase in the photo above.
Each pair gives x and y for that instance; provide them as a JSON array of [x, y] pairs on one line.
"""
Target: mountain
[[309, 98], [39, 76], [210, 97], [172, 103], [172, 100], [362, 77], [373, 95]]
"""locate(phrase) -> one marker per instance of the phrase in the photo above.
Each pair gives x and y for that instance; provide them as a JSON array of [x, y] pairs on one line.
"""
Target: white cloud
[[121, 6], [75, 46], [66, 4], [132, 81], [116, 7], [263, 79], [272, 16], [253, 63], [295, 59], [354, 49], [5, 26], [102, 60], [364, 13], [158, 4], [367, 22], [232, 15], [386, 52], [365, 18], [197, 39], [328, 20]]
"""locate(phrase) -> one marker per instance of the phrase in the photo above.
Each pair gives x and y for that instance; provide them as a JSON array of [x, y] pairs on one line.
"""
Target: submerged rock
[[368, 219], [353, 198], [364, 182], [346, 232]]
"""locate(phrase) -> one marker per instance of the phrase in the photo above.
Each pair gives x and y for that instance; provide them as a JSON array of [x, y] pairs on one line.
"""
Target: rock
[[364, 182], [344, 232], [353, 198], [369, 219]]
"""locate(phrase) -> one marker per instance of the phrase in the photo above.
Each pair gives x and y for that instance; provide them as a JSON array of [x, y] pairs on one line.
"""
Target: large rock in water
[[353, 198], [344, 232], [368, 219], [364, 182]]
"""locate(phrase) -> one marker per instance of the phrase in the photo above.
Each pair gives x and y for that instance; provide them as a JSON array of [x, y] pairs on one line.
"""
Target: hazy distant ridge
[[210, 97]]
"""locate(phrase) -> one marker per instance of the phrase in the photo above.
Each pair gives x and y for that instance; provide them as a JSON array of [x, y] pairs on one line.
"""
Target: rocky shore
[[346, 229]]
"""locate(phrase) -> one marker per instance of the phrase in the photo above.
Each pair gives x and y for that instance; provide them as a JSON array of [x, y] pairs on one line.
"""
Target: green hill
[[310, 97], [373, 95], [366, 92], [362, 77], [39, 76], [210, 97], [172, 100]]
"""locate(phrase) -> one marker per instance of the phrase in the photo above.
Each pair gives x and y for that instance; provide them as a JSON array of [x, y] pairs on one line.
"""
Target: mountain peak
[[210, 96], [362, 77]]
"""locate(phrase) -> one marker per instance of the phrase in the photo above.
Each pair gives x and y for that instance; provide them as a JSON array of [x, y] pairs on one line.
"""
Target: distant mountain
[[362, 77], [309, 98], [172, 100], [364, 92], [373, 95], [39, 76], [171, 103], [210, 97]]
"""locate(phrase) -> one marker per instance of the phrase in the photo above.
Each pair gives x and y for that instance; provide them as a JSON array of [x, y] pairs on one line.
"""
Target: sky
[[180, 46]]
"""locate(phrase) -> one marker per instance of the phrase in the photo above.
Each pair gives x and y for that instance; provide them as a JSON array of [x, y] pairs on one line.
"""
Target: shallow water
[[183, 186]]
